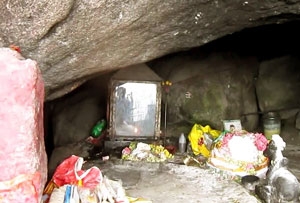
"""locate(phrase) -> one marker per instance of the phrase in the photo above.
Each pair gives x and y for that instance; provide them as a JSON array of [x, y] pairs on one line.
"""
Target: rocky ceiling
[[74, 40]]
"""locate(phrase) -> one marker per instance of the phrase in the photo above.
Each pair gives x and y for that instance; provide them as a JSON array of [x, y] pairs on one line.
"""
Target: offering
[[240, 152]]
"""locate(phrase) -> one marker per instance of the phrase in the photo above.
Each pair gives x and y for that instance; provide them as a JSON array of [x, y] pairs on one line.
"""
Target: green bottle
[[98, 128]]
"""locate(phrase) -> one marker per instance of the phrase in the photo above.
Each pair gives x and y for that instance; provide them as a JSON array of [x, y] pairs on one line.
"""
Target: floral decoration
[[260, 140]]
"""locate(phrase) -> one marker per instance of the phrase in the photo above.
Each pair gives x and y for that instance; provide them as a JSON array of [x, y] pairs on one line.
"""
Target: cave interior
[[263, 43]]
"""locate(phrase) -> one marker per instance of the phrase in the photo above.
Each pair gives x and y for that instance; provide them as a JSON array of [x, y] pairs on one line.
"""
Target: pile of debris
[[71, 184]]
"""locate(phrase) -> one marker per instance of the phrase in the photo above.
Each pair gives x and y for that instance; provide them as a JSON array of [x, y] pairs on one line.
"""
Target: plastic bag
[[69, 172], [58, 195], [87, 195], [71, 194], [201, 139]]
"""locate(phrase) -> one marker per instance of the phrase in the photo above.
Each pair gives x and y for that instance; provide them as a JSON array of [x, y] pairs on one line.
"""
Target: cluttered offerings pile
[[71, 184], [235, 151], [139, 151]]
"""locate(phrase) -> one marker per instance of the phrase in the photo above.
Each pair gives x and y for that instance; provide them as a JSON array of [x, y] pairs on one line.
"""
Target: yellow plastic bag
[[198, 139]]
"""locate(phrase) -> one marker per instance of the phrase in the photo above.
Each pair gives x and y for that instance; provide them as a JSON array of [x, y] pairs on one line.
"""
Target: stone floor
[[177, 183], [174, 183]]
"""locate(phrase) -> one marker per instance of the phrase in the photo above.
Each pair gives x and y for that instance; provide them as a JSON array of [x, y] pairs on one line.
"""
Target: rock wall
[[207, 89], [278, 89], [224, 86], [211, 89], [278, 85], [74, 40]]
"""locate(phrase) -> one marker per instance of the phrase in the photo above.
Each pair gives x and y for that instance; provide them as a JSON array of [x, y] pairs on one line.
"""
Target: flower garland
[[260, 140]]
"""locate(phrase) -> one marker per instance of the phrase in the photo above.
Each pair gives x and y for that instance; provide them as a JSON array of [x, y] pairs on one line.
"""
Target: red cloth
[[21, 123], [70, 172]]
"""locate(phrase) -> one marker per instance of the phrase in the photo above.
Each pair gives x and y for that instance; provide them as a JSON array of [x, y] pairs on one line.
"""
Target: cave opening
[[70, 118]]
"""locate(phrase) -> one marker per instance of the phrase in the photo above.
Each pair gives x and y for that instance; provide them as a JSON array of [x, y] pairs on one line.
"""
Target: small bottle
[[98, 128], [182, 143]]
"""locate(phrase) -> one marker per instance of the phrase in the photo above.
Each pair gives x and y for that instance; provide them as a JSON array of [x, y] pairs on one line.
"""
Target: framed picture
[[134, 106], [232, 125]]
